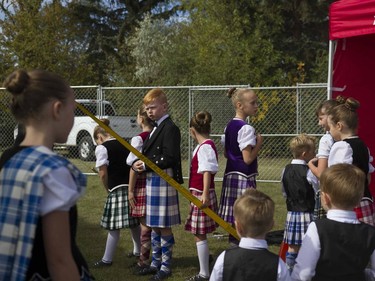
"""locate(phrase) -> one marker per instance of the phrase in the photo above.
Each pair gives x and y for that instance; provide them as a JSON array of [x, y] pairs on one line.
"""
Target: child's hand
[[259, 139], [205, 200], [313, 162], [131, 199]]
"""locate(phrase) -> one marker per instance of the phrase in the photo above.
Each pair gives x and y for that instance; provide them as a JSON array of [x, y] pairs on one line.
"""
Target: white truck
[[81, 138]]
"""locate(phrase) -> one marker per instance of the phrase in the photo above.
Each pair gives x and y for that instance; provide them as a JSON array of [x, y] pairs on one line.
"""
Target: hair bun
[[16, 82], [231, 92]]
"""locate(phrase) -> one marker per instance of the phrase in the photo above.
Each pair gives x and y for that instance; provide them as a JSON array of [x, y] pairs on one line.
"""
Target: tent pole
[[330, 67]]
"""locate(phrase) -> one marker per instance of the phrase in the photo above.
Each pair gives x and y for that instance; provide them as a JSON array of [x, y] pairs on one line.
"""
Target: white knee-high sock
[[203, 256], [136, 237], [112, 240]]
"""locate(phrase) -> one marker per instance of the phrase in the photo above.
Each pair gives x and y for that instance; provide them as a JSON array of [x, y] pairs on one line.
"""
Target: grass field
[[92, 238]]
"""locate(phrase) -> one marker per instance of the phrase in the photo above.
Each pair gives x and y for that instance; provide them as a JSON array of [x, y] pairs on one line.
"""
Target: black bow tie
[[155, 124]]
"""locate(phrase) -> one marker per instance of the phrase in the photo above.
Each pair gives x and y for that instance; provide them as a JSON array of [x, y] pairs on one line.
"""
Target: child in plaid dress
[[39, 188], [298, 184], [318, 164], [241, 147], [349, 148], [203, 168], [137, 190], [114, 173]]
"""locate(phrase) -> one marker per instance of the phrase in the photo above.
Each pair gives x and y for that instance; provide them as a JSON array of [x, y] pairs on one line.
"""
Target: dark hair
[[327, 105], [201, 122], [32, 89], [99, 130], [345, 112]]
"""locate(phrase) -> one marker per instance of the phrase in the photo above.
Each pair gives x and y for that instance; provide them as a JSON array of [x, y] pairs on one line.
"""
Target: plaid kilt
[[319, 212], [234, 185], [140, 197], [365, 211], [162, 206], [295, 227], [116, 211], [198, 222]]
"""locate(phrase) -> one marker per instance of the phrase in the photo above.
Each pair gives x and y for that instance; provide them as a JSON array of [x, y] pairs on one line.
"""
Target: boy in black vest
[[253, 213], [338, 247]]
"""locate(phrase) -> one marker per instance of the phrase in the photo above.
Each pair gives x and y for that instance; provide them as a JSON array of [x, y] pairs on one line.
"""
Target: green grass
[[91, 238]]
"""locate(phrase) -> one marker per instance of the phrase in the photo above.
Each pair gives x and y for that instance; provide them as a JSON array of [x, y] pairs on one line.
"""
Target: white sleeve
[[246, 137], [101, 155], [325, 145], [341, 152], [217, 271], [370, 271], [207, 161], [282, 272], [371, 168], [313, 180], [60, 192], [137, 143], [308, 255]]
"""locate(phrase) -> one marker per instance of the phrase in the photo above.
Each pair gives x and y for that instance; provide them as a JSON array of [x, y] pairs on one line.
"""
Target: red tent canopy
[[352, 25]]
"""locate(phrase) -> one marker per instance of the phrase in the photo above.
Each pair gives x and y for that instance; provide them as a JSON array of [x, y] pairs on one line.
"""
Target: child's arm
[[206, 189], [250, 153], [370, 272], [132, 181], [317, 170], [308, 255], [56, 233], [103, 175]]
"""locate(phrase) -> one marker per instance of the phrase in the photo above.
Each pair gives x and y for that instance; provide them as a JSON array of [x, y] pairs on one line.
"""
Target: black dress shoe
[[147, 270], [161, 275], [102, 264]]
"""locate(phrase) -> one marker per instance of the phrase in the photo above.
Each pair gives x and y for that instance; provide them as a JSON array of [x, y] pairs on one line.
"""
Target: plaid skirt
[[198, 222], [319, 211], [234, 185], [162, 206], [140, 197], [116, 211], [365, 211], [295, 227]]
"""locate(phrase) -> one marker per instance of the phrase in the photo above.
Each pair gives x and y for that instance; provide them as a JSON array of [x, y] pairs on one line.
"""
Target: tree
[[41, 35]]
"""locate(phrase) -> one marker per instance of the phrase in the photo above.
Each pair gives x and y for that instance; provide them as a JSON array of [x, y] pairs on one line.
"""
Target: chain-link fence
[[283, 113]]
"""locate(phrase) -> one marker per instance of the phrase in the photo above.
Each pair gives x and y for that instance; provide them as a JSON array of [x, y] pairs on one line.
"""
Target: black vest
[[248, 264], [300, 194], [118, 170], [345, 250], [360, 159]]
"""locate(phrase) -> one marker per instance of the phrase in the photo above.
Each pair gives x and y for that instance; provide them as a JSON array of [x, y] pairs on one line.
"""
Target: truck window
[[90, 107], [108, 110]]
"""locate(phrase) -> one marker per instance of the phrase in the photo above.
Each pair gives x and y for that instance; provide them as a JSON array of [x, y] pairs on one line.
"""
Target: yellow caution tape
[[226, 226]]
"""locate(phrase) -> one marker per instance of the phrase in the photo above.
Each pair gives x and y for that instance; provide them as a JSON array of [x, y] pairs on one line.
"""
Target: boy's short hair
[[302, 143], [155, 94], [344, 183], [254, 211]]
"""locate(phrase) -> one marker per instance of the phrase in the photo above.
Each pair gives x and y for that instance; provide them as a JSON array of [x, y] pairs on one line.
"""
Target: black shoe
[[147, 270], [161, 275], [102, 264], [197, 278], [132, 255]]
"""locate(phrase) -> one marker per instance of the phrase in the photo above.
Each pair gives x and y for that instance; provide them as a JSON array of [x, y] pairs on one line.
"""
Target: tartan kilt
[[140, 197], [198, 222], [234, 185], [162, 206], [319, 211], [116, 211], [296, 226], [365, 211]]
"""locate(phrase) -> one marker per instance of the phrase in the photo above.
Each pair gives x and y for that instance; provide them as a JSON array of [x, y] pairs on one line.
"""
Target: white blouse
[[207, 161]]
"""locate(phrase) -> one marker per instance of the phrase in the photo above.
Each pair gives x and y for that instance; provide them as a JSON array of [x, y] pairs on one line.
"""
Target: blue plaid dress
[[21, 181]]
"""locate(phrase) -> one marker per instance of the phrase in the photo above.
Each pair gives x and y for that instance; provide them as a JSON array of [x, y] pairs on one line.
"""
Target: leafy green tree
[[38, 34]]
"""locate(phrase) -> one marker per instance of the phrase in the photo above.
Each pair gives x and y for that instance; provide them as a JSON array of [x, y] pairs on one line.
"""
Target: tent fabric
[[354, 63], [348, 18]]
